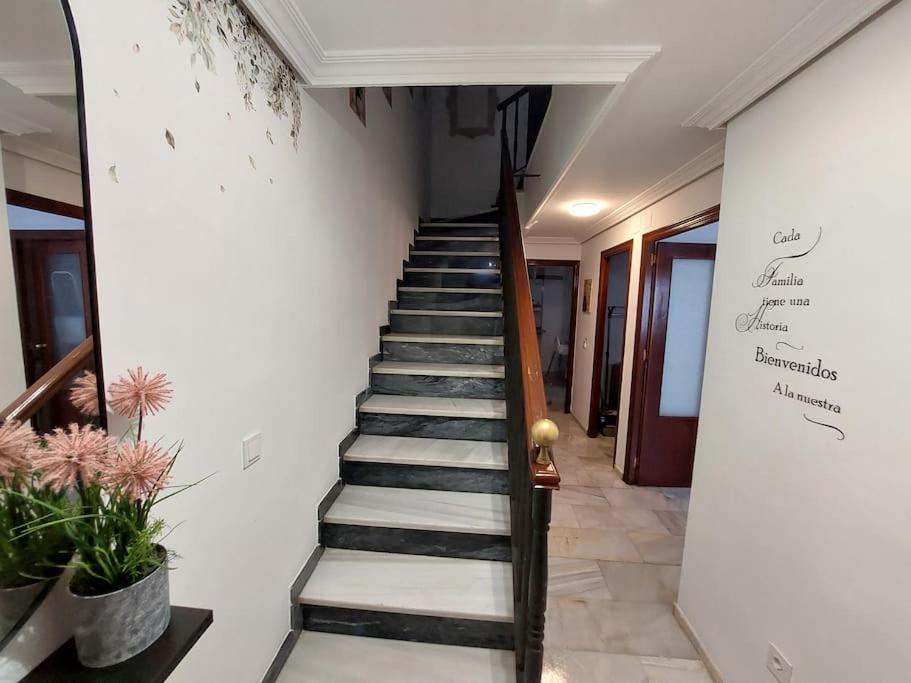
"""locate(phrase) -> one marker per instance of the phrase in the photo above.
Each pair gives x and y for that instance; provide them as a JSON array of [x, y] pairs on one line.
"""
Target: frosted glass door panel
[[66, 302], [687, 328]]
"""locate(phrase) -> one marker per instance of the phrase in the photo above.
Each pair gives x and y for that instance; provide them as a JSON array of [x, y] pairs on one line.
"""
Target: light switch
[[779, 666], [253, 449]]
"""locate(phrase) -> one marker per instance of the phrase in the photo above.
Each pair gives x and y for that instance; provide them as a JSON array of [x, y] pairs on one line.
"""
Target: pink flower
[[140, 394], [84, 394], [70, 457], [16, 443], [139, 471]]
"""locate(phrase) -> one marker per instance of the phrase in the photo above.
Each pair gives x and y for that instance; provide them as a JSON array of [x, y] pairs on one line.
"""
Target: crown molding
[[830, 21], [530, 239], [694, 169], [46, 155], [41, 78], [287, 27]]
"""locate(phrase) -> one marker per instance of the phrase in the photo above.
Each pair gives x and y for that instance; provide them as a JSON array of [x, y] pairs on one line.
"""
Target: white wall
[[464, 172], [697, 196], [796, 537], [573, 113], [262, 301], [35, 176], [557, 251], [12, 370]]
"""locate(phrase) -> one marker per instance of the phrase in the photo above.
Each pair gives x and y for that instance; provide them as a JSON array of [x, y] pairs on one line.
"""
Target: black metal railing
[[521, 117], [530, 436]]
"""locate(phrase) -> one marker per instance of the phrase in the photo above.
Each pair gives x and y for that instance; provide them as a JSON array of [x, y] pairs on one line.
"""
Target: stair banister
[[530, 439], [36, 396]]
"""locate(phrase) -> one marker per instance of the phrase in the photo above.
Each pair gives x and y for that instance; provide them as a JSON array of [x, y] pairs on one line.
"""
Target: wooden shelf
[[152, 665]]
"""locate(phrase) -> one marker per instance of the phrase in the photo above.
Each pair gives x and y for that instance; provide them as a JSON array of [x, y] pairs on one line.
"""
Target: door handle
[[39, 347]]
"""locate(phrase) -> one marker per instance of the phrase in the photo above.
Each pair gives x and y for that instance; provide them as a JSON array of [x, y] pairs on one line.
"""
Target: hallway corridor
[[615, 555]]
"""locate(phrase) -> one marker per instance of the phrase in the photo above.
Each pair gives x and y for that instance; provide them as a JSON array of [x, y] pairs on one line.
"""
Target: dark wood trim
[[573, 314], [513, 261], [49, 384], [33, 235], [594, 405], [643, 316], [33, 201]]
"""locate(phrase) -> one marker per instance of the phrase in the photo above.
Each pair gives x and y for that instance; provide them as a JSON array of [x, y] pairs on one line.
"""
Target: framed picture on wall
[[587, 296], [357, 100], [472, 110]]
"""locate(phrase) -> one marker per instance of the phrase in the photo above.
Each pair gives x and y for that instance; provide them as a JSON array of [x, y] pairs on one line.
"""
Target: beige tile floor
[[614, 555]]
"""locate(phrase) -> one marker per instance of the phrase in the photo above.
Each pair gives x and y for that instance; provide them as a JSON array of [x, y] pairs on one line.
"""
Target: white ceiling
[[697, 62], [37, 79]]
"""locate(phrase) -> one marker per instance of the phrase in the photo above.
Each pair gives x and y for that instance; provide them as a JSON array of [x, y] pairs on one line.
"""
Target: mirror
[[46, 273]]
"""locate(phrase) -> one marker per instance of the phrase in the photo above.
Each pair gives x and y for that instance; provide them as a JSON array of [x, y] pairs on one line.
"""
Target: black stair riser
[[450, 301], [446, 231], [455, 245], [491, 279], [432, 385], [396, 475], [420, 352], [495, 635], [432, 427], [447, 324], [434, 261], [417, 542]]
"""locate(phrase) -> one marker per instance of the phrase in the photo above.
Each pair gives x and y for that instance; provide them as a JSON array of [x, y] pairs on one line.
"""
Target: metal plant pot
[[15, 602], [116, 626]]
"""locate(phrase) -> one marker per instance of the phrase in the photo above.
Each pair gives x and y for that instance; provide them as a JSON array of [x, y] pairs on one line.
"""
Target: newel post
[[544, 435]]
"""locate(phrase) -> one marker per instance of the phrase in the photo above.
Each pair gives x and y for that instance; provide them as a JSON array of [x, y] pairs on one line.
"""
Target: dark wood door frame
[[594, 406], [574, 304], [33, 201], [643, 316]]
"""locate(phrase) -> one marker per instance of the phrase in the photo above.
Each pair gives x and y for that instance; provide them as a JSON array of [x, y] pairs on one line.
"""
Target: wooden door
[[53, 293], [675, 358]]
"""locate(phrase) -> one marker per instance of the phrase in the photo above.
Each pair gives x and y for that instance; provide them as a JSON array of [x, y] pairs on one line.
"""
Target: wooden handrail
[[543, 474], [46, 387]]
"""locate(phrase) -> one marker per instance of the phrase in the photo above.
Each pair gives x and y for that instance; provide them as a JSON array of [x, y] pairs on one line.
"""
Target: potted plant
[[28, 562], [120, 578]]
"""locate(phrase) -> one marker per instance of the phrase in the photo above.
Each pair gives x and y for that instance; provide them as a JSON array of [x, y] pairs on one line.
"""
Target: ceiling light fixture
[[584, 209]]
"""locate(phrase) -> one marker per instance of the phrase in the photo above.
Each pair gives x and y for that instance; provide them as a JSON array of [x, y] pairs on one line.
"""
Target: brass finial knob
[[544, 433]]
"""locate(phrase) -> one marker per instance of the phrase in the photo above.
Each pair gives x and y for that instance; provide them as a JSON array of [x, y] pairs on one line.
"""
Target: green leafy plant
[[40, 553], [115, 484]]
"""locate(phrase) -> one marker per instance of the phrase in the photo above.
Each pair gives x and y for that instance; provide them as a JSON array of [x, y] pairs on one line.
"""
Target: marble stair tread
[[408, 450], [453, 290], [391, 404], [411, 584], [327, 657], [462, 314], [433, 224], [411, 269], [390, 367], [456, 238], [455, 253], [415, 338], [424, 509]]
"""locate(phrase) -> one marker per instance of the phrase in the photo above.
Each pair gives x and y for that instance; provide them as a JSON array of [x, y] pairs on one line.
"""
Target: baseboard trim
[[328, 500], [278, 662], [687, 627], [297, 586]]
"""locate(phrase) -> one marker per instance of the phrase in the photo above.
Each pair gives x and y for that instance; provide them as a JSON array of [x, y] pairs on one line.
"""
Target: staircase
[[415, 582]]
